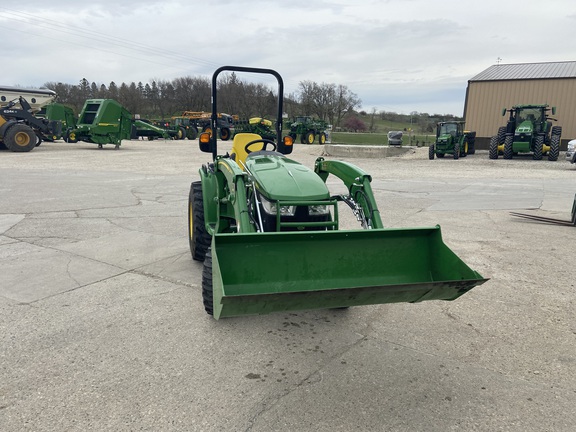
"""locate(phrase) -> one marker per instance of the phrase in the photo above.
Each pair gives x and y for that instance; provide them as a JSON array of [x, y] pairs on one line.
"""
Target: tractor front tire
[[431, 152], [207, 286], [199, 238], [493, 151], [322, 138], [456, 152], [538, 147], [20, 138], [225, 134], [508, 146], [554, 148]]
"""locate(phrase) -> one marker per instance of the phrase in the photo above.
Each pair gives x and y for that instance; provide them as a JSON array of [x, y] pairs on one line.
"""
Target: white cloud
[[397, 55]]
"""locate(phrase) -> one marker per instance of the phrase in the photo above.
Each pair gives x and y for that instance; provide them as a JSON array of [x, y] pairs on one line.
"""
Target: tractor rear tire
[[501, 134], [555, 135], [20, 138], [207, 286], [431, 152], [199, 239], [471, 143], [538, 147], [310, 138], [554, 148], [508, 146], [192, 133], [493, 151], [322, 138]]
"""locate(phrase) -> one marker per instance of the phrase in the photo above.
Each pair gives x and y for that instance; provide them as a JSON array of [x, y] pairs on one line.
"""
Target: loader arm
[[357, 182]]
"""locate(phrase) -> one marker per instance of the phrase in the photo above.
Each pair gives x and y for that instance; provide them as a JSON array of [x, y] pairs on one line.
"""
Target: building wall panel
[[485, 100]]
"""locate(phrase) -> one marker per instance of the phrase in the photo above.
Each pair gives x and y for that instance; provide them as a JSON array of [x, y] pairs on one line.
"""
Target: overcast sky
[[396, 55]]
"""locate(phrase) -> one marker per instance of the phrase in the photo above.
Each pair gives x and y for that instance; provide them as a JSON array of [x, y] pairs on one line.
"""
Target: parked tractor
[[201, 121], [257, 125], [452, 139], [528, 130], [268, 232], [308, 129], [21, 131], [105, 121]]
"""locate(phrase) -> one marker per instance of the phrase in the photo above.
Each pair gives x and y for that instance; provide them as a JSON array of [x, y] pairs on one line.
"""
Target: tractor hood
[[526, 127], [280, 178]]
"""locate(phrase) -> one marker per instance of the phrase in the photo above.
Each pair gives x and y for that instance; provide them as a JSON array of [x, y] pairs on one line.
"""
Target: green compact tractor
[[308, 129], [452, 139], [529, 129], [268, 232], [105, 121]]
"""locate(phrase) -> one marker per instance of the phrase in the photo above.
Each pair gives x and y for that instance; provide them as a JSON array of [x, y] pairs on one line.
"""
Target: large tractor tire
[[207, 287], [456, 152], [538, 147], [192, 133], [431, 152], [555, 143], [471, 143], [464, 149], [322, 138], [508, 149], [501, 134], [554, 148], [309, 139], [199, 238], [493, 150], [225, 134], [20, 138]]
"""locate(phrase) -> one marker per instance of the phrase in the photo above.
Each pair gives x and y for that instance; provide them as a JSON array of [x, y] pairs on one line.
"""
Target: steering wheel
[[264, 141]]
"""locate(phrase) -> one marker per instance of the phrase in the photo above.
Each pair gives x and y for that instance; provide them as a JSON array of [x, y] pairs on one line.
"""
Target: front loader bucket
[[282, 271]]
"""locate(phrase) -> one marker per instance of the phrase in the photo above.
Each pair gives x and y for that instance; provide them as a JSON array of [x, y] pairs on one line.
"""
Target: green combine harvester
[[268, 231]]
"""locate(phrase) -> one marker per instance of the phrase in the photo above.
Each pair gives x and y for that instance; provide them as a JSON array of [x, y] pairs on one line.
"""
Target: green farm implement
[[105, 121], [268, 232]]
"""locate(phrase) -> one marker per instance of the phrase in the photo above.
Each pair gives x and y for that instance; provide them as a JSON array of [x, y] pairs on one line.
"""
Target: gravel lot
[[102, 326]]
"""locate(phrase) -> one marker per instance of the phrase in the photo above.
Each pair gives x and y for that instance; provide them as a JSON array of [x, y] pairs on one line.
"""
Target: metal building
[[504, 85]]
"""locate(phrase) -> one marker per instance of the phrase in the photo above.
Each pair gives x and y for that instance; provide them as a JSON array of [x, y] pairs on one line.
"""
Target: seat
[[239, 154]]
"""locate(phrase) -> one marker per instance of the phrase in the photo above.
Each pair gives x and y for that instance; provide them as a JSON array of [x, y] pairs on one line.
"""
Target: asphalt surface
[[102, 326]]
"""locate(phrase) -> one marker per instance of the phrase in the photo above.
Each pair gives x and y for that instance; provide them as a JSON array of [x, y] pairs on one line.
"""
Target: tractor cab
[[449, 128]]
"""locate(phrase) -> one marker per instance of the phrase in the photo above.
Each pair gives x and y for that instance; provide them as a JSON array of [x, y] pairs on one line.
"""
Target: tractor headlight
[[271, 207], [317, 210]]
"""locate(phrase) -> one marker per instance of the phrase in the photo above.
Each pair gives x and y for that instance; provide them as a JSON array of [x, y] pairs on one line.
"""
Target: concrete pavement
[[102, 326]]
